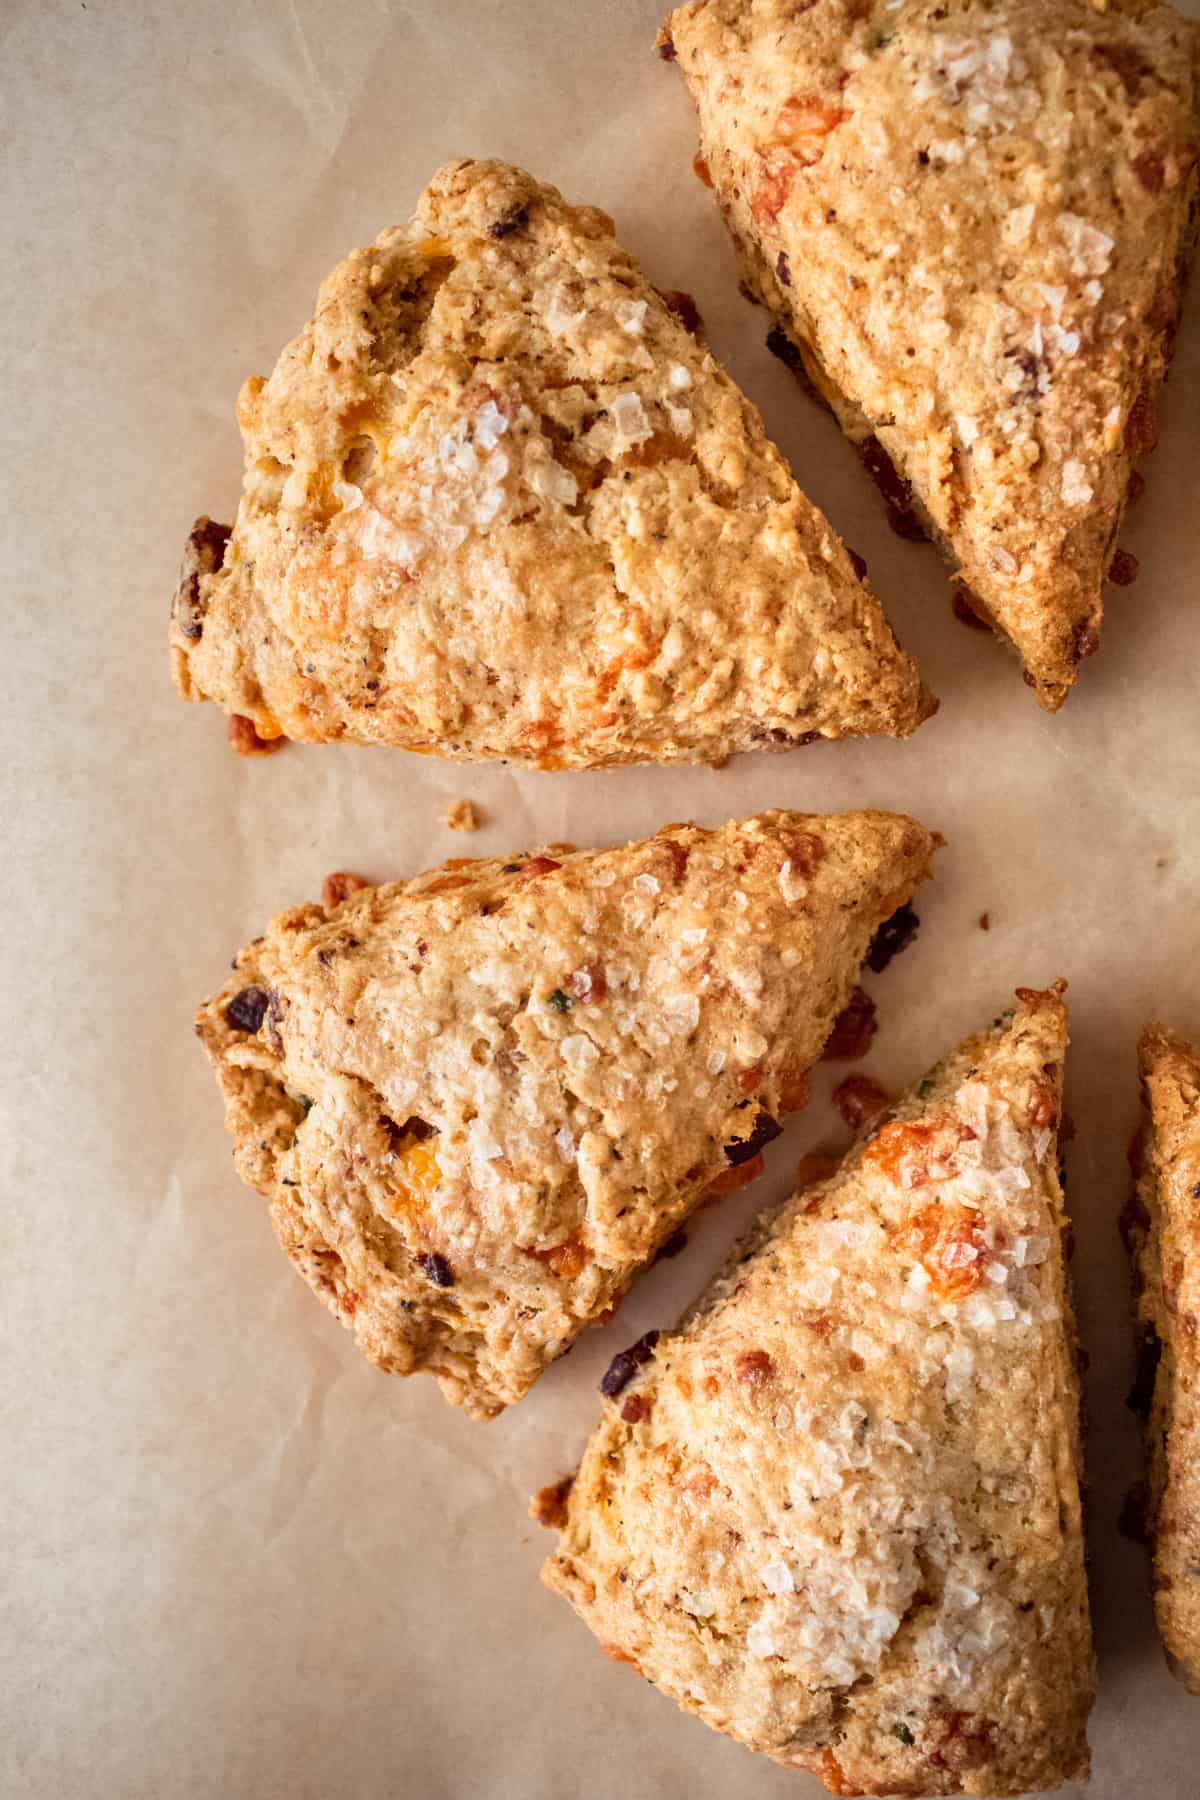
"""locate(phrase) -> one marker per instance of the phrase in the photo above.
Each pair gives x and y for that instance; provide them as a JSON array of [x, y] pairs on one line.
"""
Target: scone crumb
[[245, 739], [985, 921], [548, 1507], [338, 887], [461, 815], [859, 1099]]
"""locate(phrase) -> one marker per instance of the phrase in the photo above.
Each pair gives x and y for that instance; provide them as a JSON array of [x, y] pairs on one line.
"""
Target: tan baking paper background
[[236, 1560]]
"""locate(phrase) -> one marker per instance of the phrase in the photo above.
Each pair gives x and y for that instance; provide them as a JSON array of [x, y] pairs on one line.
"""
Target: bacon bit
[[566, 1260], [853, 1030], [805, 851], [916, 1151], [948, 1242], [539, 865], [701, 1482], [338, 887], [1123, 569], [754, 1367], [816, 1165], [829, 1772], [1151, 170], [894, 935], [764, 1130], [817, 1320], [684, 308], [625, 1365], [548, 1506], [702, 170], [246, 741], [859, 1100], [1141, 427], [1086, 641], [673, 1246], [804, 122], [678, 855], [665, 45], [589, 984], [774, 186], [1042, 1100], [622, 1656], [445, 883], [415, 1173], [959, 1740], [750, 1080], [971, 611], [895, 492], [739, 1176], [712, 1386], [793, 1088], [349, 1300], [635, 1409]]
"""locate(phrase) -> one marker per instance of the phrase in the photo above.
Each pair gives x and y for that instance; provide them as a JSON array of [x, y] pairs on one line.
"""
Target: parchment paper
[[237, 1560]]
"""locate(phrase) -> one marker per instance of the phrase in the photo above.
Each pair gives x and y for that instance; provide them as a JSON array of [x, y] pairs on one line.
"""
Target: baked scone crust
[[500, 503], [479, 1101], [836, 1512], [973, 218], [1163, 1229]]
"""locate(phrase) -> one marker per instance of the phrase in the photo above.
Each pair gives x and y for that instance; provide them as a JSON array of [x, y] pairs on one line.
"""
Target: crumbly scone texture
[[479, 1101], [500, 503], [1164, 1232], [973, 217], [836, 1512]]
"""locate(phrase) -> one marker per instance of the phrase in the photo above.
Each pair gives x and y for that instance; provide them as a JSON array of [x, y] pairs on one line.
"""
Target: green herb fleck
[[561, 1002], [925, 1089], [902, 1732]]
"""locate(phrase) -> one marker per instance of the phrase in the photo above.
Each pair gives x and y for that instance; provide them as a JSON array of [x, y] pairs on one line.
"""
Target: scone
[[1163, 1231], [971, 219], [836, 1512], [479, 1101], [500, 502]]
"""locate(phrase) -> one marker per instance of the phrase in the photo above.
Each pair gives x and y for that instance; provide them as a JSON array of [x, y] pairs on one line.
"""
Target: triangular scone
[[500, 502], [836, 1512], [972, 219], [1163, 1230], [479, 1101]]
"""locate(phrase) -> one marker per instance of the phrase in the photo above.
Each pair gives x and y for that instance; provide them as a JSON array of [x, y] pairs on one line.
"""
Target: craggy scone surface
[[480, 1100], [836, 1512], [499, 502], [972, 216], [1164, 1230]]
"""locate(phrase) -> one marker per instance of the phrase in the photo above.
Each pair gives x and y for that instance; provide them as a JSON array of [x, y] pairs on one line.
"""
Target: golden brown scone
[[836, 1512], [480, 1100], [972, 219], [500, 502], [1163, 1232]]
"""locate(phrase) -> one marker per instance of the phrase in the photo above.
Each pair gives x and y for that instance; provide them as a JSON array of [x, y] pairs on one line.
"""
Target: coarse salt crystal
[[1076, 488], [679, 377], [759, 1641], [716, 1061], [551, 481], [490, 425], [630, 420], [1003, 559], [578, 1049], [630, 315], [1018, 222], [565, 1140], [347, 495], [645, 884], [966, 428], [792, 885], [776, 1577], [1053, 296], [681, 1013], [1090, 250]]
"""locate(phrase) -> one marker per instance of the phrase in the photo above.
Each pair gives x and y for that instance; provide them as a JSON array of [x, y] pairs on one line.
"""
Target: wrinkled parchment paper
[[236, 1560]]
